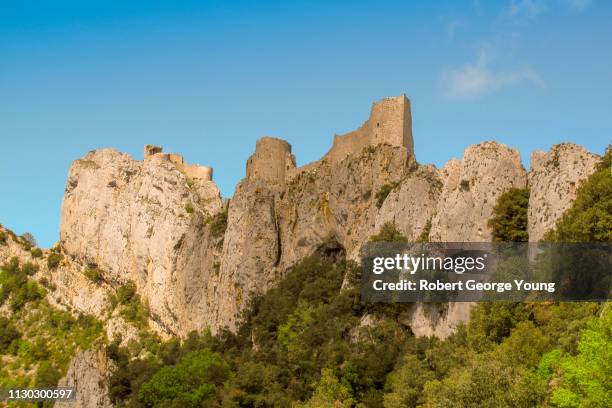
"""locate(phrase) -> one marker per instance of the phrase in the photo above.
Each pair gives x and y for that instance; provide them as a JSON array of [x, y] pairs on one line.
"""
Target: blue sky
[[206, 79]]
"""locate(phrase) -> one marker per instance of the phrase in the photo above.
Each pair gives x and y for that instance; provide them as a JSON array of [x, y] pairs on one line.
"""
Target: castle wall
[[198, 172], [192, 171], [349, 143], [175, 158], [390, 122]]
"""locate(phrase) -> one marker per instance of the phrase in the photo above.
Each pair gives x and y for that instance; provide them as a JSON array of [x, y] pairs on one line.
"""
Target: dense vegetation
[[37, 341], [311, 343]]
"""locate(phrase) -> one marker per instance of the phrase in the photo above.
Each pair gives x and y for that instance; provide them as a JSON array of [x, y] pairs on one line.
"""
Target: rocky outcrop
[[144, 221], [271, 226], [88, 375], [554, 179], [458, 201], [435, 319], [198, 262], [412, 204], [470, 190]]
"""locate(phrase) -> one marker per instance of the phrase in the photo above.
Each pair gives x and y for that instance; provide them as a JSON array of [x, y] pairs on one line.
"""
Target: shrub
[[36, 253], [93, 274], [29, 268], [126, 293], [28, 292], [189, 208], [47, 375], [8, 335], [218, 224], [509, 222], [54, 259], [384, 191], [133, 309], [17, 286], [3, 238], [389, 233], [27, 241]]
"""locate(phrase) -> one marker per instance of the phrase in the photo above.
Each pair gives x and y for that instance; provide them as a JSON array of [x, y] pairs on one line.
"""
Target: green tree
[[406, 382], [330, 393], [586, 378], [193, 382], [486, 381], [509, 222]]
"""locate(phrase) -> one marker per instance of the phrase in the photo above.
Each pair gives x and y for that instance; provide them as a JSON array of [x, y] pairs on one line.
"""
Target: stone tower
[[390, 123], [271, 160]]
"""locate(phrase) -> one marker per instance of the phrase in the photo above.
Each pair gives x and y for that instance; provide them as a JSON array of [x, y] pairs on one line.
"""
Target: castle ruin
[[390, 123], [271, 161], [191, 171]]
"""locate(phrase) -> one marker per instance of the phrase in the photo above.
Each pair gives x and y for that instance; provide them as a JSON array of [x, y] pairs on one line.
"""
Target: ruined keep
[[390, 123], [271, 160]]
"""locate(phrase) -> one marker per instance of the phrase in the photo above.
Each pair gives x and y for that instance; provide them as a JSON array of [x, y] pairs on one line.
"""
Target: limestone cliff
[[553, 181], [146, 222], [161, 222], [272, 224], [471, 189]]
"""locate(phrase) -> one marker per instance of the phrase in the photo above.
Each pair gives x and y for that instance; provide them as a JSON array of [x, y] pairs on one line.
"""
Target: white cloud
[[477, 79]]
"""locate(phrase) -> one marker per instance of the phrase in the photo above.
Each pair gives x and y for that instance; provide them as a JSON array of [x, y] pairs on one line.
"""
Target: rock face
[[198, 262], [554, 179], [471, 189], [88, 374], [458, 201], [274, 224], [412, 205], [144, 222]]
